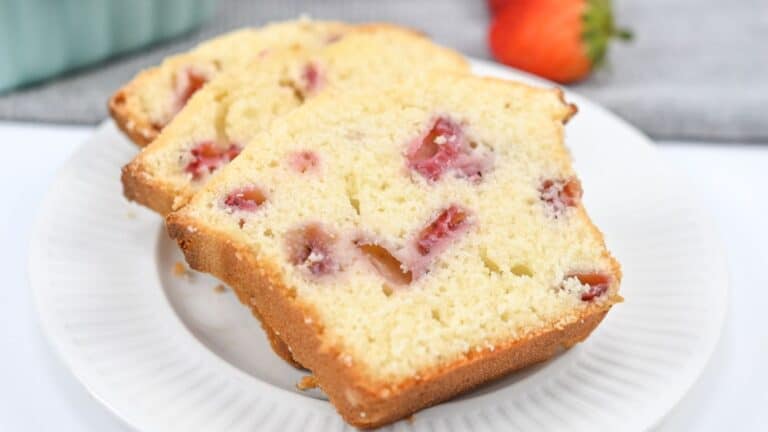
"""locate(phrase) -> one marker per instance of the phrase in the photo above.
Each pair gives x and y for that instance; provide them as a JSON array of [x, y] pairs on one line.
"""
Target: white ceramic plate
[[168, 353]]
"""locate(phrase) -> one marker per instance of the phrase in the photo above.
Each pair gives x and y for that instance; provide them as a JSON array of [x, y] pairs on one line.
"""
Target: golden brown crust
[[139, 186], [360, 402], [278, 346], [134, 124]]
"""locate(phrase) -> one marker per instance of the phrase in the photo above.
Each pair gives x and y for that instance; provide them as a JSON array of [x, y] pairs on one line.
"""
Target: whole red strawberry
[[562, 40]]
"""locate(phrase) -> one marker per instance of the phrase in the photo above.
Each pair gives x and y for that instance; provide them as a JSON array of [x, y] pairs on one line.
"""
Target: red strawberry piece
[[432, 155], [449, 224], [389, 267], [303, 161], [248, 198], [188, 82], [333, 38], [443, 148], [311, 77], [311, 247], [559, 194], [597, 284], [207, 157], [444, 228]]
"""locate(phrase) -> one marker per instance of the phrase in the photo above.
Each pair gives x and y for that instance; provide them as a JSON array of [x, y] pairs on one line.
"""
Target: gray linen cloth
[[697, 69]]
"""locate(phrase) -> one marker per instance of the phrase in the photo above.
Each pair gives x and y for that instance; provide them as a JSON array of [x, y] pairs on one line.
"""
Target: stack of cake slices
[[404, 230]]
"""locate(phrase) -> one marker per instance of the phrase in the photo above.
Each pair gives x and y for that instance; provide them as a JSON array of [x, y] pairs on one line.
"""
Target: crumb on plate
[[180, 270], [307, 382]]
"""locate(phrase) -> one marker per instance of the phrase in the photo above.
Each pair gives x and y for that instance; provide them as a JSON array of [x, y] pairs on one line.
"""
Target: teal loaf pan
[[43, 38]]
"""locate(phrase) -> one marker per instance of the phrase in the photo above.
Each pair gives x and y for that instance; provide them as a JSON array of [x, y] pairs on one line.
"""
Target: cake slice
[[146, 104], [409, 244], [221, 118]]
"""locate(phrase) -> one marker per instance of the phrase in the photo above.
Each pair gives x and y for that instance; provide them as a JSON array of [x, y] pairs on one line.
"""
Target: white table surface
[[37, 393]]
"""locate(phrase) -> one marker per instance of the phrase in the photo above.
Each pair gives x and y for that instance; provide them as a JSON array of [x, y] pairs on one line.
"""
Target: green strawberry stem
[[598, 28], [623, 34]]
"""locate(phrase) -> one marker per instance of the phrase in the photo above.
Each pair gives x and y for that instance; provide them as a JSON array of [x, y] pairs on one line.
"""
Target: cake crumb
[[131, 214], [411, 418], [307, 382], [220, 289], [180, 270]]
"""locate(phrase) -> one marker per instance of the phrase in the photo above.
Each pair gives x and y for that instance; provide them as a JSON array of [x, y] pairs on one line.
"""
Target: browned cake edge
[[360, 402], [278, 346], [133, 123], [139, 186]]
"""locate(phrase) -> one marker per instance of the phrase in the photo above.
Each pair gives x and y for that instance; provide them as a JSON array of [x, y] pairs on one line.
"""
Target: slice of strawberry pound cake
[[221, 118], [409, 244], [147, 103]]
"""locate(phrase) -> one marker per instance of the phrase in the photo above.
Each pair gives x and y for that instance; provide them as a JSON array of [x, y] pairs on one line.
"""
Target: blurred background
[[695, 69]]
